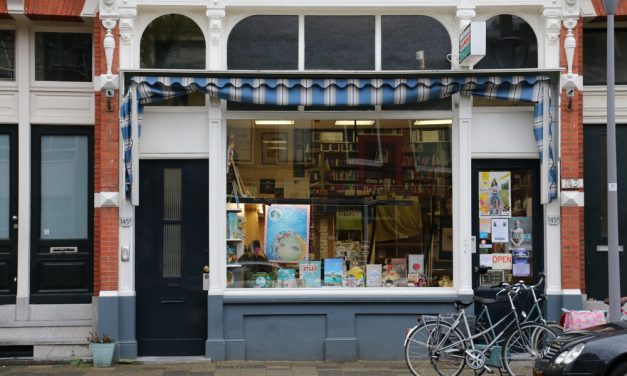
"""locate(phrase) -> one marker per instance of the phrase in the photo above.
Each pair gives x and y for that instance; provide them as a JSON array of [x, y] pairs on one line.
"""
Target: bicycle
[[441, 342], [535, 312]]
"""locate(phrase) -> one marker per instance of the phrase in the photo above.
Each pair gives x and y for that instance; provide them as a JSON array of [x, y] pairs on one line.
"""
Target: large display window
[[339, 203]]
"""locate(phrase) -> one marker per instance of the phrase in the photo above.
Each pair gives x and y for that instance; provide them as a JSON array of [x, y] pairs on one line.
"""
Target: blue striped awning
[[343, 92]]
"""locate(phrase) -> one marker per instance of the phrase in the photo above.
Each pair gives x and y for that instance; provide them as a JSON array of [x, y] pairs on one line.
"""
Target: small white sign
[[553, 220], [612, 187], [502, 261], [500, 230], [485, 260], [126, 221], [472, 44]]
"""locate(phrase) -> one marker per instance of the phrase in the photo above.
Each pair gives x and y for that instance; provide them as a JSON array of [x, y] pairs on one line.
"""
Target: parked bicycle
[[484, 319], [446, 342]]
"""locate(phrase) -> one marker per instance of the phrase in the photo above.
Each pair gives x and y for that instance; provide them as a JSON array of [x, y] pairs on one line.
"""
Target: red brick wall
[[572, 223], [621, 9], [106, 241]]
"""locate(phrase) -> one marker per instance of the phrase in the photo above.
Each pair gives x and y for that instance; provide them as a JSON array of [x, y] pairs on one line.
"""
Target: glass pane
[[173, 42], [406, 38], [510, 43], [339, 42], [346, 203], [63, 57], [264, 42], [64, 187], [7, 55], [172, 222], [595, 56], [4, 186]]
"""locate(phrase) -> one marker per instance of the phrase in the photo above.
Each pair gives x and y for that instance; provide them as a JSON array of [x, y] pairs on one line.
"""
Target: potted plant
[[102, 349]]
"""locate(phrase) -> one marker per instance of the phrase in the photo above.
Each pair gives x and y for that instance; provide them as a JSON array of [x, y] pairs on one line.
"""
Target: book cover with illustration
[[231, 253], [373, 275], [234, 226], [309, 273], [261, 280], [286, 278], [333, 270], [416, 268]]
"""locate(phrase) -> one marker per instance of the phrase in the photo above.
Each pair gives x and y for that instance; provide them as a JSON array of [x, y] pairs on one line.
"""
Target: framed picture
[[274, 148], [243, 137], [446, 243], [266, 186]]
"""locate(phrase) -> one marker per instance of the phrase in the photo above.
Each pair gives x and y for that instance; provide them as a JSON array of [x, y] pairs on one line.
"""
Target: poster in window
[[495, 194], [521, 230], [520, 263], [500, 230], [287, 233]]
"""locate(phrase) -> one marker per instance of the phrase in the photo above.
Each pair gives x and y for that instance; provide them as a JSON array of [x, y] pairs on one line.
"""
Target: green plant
[[95, 338]]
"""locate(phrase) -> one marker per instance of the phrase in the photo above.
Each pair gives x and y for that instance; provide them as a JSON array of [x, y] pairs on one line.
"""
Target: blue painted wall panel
[[282, 337], [380, 337]]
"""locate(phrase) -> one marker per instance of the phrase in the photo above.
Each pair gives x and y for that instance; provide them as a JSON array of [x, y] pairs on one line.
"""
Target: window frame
[[10, 25], [64, 85]]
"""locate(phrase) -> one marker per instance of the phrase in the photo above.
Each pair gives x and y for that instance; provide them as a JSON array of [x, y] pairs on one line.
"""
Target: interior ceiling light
[[434, 122], [354, 122], [274, 122]]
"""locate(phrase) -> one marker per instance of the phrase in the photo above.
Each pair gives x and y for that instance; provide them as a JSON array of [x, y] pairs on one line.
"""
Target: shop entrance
[[507, 222], [595, 177], [171, 253], [8, 214]]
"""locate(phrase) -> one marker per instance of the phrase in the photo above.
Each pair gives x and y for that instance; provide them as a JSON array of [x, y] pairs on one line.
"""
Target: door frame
[[12, 132]]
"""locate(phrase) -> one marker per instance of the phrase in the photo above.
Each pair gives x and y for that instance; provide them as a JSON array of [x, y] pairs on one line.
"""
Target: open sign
[[502, 261]]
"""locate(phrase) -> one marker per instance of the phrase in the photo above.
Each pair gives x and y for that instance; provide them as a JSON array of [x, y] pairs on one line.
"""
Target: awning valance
[[343, 92]]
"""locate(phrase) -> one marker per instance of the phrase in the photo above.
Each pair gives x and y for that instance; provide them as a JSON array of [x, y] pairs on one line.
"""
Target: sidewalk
[[230, 368]]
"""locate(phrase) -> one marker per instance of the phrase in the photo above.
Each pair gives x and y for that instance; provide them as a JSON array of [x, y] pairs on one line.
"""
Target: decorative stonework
[[465, 12], [552, 16], [127, 23], [570, 17], [216, 18]]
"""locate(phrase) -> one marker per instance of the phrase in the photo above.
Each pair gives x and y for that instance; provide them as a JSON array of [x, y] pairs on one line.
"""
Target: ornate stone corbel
[[127, 24], [570, 16], [216, 18], [109, 19], [552, 15], [465, 12]]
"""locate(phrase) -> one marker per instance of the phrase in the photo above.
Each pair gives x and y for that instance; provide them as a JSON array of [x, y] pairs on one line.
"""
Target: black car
[[600, 350]]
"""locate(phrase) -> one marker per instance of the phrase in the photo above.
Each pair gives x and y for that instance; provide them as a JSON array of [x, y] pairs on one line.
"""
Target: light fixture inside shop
[[434, 122], [354, 122], [274, 122]]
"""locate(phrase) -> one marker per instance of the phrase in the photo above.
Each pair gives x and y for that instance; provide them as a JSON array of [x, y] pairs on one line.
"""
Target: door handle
[[605, 248], [14, 218], [205, 269]]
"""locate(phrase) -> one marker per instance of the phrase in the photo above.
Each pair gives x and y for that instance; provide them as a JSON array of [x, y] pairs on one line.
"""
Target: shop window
[[414, 43], [264, 42], [63, 57], [510, 43], [595, 56], [339, 203], [7, 55], [339, 42], [172, 41]]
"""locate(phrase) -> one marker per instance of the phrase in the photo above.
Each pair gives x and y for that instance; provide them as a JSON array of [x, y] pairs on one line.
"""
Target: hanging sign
[[502, 261], [472, 44]]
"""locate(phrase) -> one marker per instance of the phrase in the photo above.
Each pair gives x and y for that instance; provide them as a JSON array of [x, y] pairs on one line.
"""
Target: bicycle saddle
[[482, 300], [461, 305]]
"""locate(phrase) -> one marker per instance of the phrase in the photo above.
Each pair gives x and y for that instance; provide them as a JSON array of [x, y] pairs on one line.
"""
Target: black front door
[[171, 250], [507, 221], [595, 177], [8, 214]]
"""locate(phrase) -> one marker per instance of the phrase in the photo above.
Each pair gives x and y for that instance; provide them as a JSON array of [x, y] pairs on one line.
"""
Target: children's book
[[234, 226], [333, 270], [373, 275], [415, 267], [231, 253], [309, 273], [261, 280], [400, 267], [286, 278]]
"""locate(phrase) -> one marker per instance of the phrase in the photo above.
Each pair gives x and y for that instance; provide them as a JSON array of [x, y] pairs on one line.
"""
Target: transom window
[[7, 55], [510, 43], [62, 56], [173, 41]]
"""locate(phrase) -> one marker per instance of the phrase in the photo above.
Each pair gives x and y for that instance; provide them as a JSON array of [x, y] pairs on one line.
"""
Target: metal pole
[[613, 265]]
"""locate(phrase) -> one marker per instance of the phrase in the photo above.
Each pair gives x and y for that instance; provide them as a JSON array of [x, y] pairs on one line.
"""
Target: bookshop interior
[[339, 203]]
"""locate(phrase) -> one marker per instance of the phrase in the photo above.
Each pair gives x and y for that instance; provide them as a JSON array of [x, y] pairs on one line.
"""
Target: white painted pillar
[[216, 48], [22, 62]]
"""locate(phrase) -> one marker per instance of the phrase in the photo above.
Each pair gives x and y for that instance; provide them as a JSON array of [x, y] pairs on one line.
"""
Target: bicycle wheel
[[417, 348], [448, 354], [523, 347]]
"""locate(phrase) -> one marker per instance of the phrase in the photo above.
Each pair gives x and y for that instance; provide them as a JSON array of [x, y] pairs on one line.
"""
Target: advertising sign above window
[[472, 44]]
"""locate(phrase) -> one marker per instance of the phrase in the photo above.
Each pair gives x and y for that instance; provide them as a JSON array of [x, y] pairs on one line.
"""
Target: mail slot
[[63, 249]]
